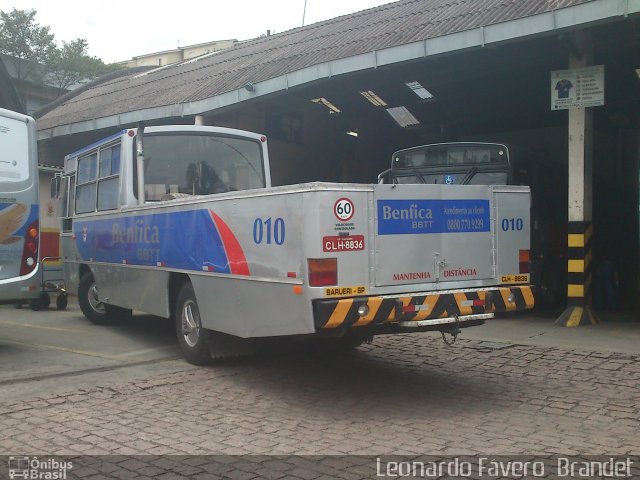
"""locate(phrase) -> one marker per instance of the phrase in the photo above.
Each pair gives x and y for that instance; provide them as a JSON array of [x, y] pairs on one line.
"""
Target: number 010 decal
[[512, 224], [343, 209], [268, 231]]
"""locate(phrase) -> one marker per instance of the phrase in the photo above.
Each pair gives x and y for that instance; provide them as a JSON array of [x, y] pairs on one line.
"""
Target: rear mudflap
[[380, 310]]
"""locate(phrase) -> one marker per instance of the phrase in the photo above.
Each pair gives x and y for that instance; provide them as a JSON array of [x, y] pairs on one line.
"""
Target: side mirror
[[55, 186], [384, 176]]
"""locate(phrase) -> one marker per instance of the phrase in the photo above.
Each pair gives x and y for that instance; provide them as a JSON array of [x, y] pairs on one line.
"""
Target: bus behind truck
[[183, 222], [482, 163], [19, 229]]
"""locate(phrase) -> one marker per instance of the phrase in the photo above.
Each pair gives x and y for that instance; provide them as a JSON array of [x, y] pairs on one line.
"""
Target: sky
[[119, 30]]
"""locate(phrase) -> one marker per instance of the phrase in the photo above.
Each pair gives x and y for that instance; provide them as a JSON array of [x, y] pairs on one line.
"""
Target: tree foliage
[[25, 40], [71, 64], [37, 58]]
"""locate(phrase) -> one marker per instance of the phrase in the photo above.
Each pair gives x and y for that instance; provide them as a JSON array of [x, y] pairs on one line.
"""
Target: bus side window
[[108, 177], [86, 186]]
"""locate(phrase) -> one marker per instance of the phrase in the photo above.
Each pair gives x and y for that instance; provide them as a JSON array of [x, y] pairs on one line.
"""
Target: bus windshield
[[462, 163], [14, 154]]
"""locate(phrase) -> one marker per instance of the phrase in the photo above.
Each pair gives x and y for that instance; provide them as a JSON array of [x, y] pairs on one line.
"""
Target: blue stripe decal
[[185, 240], [401, 217]]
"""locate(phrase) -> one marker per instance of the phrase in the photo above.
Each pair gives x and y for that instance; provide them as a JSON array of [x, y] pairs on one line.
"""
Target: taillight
[[524, 261], [30, 249], [323, 271]]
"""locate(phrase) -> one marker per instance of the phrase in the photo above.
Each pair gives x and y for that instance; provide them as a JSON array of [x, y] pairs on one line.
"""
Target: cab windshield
[[200, 164]]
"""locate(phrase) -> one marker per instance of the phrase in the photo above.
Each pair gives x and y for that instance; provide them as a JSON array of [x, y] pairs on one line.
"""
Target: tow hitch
[[453, 331]]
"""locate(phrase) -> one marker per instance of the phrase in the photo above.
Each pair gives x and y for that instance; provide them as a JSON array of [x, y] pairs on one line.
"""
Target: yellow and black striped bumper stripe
[[333, 313]]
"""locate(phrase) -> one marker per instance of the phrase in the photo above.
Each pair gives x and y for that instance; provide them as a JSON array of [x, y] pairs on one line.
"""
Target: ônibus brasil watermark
[[33, 468], [560, 467]]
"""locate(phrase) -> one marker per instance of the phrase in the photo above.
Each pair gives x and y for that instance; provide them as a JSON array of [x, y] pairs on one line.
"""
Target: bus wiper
[[242, 155], [470, 174], [418, 175]]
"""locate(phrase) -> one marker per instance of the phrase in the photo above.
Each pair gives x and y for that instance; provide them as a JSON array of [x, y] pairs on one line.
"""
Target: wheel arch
[[176, 280], [83, 269]]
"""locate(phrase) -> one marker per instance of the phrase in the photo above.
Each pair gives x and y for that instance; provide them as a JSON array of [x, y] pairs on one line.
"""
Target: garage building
[[337, 98]]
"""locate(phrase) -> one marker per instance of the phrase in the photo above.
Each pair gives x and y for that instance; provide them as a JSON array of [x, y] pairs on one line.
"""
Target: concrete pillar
[[580, 227], [199, 120]]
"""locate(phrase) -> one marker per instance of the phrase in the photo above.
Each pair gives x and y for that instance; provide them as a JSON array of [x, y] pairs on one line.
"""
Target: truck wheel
[[193, 339], [92, 308]]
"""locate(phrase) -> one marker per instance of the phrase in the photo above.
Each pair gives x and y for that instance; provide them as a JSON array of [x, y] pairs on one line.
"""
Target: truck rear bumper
[[419, 307]]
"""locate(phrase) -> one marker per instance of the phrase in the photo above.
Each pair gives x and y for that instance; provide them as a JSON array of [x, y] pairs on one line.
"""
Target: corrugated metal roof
[[265, 58]]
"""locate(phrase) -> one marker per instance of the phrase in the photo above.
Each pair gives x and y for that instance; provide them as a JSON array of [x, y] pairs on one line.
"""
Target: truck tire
[[94, 310], [98, 312], [195, 341]]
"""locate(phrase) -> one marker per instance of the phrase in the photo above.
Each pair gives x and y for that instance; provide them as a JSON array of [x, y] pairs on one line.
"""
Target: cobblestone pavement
[[404, 394]]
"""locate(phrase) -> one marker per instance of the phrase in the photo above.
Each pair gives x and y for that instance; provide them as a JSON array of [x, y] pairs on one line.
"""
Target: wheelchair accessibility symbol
[[449, 179]]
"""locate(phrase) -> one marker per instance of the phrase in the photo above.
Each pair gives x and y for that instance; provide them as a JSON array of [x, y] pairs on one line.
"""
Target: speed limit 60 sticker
[[343, 209]]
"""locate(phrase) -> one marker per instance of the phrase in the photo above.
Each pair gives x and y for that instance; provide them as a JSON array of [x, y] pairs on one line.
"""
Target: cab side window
[[98, 180]]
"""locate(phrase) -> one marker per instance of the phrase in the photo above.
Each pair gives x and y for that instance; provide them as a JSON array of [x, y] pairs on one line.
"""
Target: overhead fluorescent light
[[419, 90], [326, 103], [373, 98], [353, 133], [403, 117]]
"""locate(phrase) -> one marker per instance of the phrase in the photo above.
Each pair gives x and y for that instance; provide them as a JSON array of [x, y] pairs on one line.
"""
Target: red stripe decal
[[235, 256]]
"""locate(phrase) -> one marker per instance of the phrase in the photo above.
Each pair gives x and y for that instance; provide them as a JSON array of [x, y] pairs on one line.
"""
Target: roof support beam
[[580, 228]]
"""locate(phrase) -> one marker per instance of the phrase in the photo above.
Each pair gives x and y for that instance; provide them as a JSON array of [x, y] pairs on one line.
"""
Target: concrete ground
[[519, 385], [616, 332], [52, 351]]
